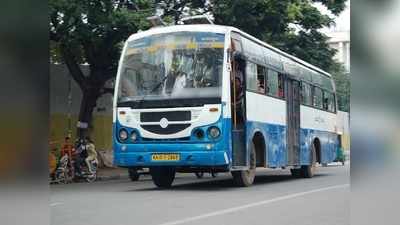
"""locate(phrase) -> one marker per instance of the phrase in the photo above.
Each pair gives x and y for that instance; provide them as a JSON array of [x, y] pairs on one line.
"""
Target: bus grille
[[171, 129], [169, 115]]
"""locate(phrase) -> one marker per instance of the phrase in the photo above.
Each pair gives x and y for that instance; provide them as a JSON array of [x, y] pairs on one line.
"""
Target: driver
[[176, 79]]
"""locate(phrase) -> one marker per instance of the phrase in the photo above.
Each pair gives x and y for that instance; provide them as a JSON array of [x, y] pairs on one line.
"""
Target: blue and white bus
[[209, 98]]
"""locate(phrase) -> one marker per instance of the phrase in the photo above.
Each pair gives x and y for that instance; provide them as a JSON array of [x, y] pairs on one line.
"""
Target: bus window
[[317, 97], [306, 94], [261, 79], [251, 76], [281, 86], [272, 83], [329, 101]]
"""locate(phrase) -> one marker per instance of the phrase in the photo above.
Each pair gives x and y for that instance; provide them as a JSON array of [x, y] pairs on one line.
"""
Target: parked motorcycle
[[62, 174], [85, 172], [82, 171]]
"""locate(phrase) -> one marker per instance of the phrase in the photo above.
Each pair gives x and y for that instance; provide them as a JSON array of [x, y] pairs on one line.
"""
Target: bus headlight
[[214, 132], [134, 136], [123, 135]]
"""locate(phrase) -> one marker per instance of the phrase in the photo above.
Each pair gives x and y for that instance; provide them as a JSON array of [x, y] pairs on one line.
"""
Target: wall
[[65, 97], [344, 127]]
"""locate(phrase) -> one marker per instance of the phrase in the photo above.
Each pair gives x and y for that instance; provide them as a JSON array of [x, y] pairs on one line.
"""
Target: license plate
[[165, 157]]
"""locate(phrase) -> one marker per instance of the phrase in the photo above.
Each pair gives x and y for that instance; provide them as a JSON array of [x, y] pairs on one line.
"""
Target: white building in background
[[339, 33], [340, 40]]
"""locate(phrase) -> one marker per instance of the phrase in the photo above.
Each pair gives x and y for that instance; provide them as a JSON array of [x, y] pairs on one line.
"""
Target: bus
[[211, 98]]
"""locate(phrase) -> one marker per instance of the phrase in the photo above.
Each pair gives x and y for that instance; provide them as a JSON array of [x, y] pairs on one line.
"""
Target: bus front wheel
[[162, 176], [133, 174], [245, 178]]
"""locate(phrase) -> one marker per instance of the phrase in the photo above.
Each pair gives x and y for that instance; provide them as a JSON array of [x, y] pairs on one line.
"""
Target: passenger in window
[[325, 104], [260, 86], [238, 103], [280, 86]]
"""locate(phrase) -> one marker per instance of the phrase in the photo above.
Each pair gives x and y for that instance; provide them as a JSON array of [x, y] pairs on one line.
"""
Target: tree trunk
[[88, 103]]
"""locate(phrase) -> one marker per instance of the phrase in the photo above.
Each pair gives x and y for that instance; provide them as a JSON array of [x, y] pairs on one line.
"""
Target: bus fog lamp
[[214, 132], [134, 136]]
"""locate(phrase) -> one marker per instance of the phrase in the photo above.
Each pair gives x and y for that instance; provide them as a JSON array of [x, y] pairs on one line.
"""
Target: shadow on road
[[227, 183]]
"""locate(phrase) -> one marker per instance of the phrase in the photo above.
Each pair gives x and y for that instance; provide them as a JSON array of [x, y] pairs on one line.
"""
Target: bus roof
[[223, 30]]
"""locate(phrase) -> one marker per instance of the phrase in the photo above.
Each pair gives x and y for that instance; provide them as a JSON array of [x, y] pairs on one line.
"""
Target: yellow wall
[[101, 131], [346, 142]]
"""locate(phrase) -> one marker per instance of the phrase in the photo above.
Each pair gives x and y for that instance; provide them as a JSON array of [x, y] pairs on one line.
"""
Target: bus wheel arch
[[317, 147], [260, 148]]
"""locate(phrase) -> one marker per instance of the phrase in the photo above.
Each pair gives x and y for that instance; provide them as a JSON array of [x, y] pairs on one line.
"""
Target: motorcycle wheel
[[91, 178]]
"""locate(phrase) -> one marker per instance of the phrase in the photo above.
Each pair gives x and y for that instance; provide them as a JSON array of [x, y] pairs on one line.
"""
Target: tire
[[133, 174], [295, 173], [308, 171], [91, 178], [199, 174], [245, 178], [162, 176], [214, 174], [324, 164]]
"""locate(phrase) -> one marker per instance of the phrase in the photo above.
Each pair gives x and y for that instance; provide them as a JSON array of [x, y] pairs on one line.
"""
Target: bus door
[[293, 121], [238, 110]]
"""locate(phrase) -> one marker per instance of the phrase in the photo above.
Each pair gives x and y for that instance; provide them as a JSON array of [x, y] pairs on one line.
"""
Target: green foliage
[[342, 81], [93, 31], [174, 10], [290, 25]]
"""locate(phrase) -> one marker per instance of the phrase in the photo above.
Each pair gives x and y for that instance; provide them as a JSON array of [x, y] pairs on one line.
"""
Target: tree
[[342, 81], [174, 10], [93, 31], [290, 25]]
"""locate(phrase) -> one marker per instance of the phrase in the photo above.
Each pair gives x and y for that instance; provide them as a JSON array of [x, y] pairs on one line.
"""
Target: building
[[340, 40]]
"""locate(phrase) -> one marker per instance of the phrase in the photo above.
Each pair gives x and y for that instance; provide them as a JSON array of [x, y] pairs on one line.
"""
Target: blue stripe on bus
[[275, 136]]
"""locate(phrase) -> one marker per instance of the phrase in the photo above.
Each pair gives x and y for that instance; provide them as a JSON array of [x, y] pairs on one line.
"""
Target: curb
[[112, 177]]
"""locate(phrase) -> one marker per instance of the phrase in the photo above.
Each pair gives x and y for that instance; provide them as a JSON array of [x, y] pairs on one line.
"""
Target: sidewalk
[[107, 173]]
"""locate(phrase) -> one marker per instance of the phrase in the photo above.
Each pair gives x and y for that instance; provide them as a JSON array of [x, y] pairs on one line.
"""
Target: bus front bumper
[[191, 155]]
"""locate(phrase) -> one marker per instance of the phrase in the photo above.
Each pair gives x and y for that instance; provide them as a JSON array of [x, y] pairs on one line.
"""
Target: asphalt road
[[275, 198]]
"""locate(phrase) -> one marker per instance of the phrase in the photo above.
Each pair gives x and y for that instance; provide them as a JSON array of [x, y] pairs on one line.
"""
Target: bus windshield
[[180, 65]]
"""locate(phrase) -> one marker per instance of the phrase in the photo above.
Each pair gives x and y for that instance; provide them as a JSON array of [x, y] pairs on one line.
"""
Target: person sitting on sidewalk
[[91, 154]]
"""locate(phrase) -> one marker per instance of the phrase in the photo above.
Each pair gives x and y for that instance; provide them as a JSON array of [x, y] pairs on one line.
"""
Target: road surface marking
[[56, 204], [265, 202]]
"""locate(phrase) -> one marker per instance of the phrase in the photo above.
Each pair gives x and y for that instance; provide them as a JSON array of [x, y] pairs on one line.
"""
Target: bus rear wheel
[[245, 178], [308, 171], [162, 176], [295, 173]]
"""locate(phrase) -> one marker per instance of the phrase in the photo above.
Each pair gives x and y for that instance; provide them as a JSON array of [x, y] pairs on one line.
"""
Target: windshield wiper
[[158, 85]]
